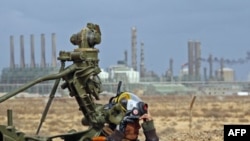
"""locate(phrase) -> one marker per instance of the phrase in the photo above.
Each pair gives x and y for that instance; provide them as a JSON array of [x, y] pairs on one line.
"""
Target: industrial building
[[225, 74], [189, 80], [194, 64], [15, 75], [122, 72]]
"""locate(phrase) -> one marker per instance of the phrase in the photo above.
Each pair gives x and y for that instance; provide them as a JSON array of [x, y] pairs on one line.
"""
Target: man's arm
[[148, 127]]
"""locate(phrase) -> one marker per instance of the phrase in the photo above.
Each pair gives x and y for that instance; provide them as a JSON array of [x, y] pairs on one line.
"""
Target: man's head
[[134, 108], [132, 104]]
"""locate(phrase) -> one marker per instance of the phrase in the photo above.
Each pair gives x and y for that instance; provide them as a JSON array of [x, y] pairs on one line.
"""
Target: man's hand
[[146, 117]]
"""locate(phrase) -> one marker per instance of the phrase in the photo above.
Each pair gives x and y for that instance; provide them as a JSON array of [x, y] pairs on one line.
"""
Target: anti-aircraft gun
[[82, 81]]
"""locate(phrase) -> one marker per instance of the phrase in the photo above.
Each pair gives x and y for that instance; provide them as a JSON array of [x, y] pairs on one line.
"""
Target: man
[[128, 130]]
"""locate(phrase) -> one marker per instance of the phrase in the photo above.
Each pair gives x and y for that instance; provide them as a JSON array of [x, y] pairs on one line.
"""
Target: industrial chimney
[[32, 51], [197, 56], [22, 57], [190, 58], [126, 57], [142, 63], [43, 60], [194, 55], [205, 73], [53, 38], [12, 55], [210, 61], [221, 69], [171, 67], [134, 56]]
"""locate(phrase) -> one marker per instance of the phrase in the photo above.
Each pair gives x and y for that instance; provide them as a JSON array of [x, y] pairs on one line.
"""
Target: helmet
[[125, 105], [132, 105]]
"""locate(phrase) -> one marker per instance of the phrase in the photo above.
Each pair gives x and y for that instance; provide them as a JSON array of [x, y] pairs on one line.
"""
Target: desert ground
[[176, 118]]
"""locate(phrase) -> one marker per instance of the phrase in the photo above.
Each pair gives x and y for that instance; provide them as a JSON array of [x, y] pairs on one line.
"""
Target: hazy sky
[[164, 26]]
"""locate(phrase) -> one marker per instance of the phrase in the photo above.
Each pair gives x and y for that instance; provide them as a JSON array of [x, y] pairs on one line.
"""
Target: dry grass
[[171, 115]]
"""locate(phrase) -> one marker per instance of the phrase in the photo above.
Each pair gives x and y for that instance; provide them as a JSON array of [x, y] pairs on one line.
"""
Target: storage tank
[[228, 74]]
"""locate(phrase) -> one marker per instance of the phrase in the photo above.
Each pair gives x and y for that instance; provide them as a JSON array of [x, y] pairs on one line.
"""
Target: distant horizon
[[216, 60], [164, 27]]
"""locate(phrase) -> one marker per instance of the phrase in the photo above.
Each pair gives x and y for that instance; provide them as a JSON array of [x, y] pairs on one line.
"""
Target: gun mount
[[82, 81]]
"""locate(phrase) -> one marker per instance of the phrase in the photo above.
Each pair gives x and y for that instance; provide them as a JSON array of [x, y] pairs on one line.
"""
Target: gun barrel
[[38, 80]]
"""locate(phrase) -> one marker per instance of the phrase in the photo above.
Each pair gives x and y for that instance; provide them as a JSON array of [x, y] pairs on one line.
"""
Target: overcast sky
[[164, 26]]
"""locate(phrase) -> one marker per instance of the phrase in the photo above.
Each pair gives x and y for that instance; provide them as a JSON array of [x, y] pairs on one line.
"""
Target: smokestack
[[134, 62], [221, 69], [210, 61], [190, 58], [126, 57], [12, 56], [197, 54], [142, 64], [205, 73], [53, 36], [43, 61], [32, 50], [22, 59], [171, 67]]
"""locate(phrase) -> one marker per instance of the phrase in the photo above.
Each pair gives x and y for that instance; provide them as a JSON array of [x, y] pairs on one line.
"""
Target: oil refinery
[[190, 80]]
